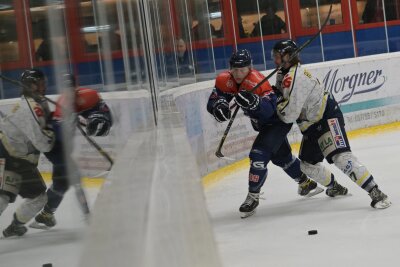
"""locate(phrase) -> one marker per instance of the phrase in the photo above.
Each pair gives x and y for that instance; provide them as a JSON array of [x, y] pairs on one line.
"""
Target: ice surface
[[350, 232], [60, 246]]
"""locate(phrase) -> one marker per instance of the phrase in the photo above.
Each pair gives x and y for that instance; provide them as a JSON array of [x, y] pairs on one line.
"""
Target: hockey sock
[[28, 209], [258, 169], [291, 165], [332, 181], [318, 173], [16, 221], [357, 172], [54, 199]]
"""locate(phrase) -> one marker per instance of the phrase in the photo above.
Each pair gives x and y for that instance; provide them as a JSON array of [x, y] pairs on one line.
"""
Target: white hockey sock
[[30, 207], [357, 172], [317, 172]]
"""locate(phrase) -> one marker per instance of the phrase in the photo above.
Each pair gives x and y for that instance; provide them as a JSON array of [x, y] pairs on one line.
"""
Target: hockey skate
[[14, 229], [379, 199], [44, 220], [249, 206], [309, 188], [336, 190]]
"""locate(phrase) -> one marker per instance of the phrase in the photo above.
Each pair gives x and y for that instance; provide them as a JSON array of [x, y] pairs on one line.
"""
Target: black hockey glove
[[221, 110], [279, 96], [247, 100], [98, 124]]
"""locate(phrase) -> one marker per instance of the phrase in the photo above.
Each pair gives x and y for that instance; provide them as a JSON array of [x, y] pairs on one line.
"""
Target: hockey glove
[[221, 110], [98, 124], [279, 96], [247, 100]]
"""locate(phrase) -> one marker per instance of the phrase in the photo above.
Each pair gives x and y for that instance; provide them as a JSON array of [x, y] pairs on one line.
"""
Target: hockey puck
[[48, 265], [312, 232]]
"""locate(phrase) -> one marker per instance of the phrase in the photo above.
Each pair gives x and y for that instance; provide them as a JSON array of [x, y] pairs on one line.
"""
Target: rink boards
[[366, 88]]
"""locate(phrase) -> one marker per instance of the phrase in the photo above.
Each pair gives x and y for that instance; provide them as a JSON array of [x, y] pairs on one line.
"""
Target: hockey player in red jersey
[[87, 104], [271, 142]]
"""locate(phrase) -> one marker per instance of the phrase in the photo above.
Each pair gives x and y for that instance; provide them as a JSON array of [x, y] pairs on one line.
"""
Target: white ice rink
[[350, 232], [60, 246]]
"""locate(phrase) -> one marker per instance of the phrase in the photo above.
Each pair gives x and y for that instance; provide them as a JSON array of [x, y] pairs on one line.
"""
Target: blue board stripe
[[347, 108]]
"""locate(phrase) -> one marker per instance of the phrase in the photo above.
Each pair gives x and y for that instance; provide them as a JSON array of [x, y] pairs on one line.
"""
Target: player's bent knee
[[345, 162], [284, 162], [350, 165], [260, 155]]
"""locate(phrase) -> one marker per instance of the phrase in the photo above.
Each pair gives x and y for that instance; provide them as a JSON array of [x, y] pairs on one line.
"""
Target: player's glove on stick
[[98, 124], [279, 96], [221, 110], [247, 100]]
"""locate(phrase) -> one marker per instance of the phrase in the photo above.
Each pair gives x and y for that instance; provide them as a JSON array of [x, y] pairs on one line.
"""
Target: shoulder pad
[[225, 83], [253, 79]]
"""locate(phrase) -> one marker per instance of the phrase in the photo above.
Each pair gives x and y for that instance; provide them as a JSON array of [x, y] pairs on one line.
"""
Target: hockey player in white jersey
[[24, 133], [305, 100]]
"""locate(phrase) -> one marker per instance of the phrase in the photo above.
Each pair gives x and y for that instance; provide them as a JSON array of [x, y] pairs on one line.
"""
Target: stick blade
[[221, 156]]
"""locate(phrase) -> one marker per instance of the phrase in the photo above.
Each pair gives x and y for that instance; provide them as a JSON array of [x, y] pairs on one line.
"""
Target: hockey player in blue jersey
[[88, 105], [271, 143]]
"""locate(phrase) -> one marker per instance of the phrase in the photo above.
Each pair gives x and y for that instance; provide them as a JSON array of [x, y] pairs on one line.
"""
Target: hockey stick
[[218, 153], [97, 146], [88, 138]]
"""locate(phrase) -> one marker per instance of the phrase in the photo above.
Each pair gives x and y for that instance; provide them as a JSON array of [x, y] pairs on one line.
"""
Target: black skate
[[44, 220], [249, 206], [309, 188], [14, 229], [379, 199], [336, 190]]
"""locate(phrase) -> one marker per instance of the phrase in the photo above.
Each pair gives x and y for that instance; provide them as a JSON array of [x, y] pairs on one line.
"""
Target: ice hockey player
[[271, 142], [24, 134], [88, 105], [321, 122]]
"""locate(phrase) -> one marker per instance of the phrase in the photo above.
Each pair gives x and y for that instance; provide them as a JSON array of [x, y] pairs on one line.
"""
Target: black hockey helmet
[[240, 58], [285, 47], [32, 76]]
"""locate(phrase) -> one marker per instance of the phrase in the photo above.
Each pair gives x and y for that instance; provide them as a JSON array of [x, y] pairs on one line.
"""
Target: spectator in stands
[[52, 49], [43, 53], [184, 65], [202, 28], [270, 22], [242, 33], [373, 11]]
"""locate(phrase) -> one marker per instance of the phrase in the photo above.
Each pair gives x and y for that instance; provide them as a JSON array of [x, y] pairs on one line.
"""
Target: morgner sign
[[343, 87]]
